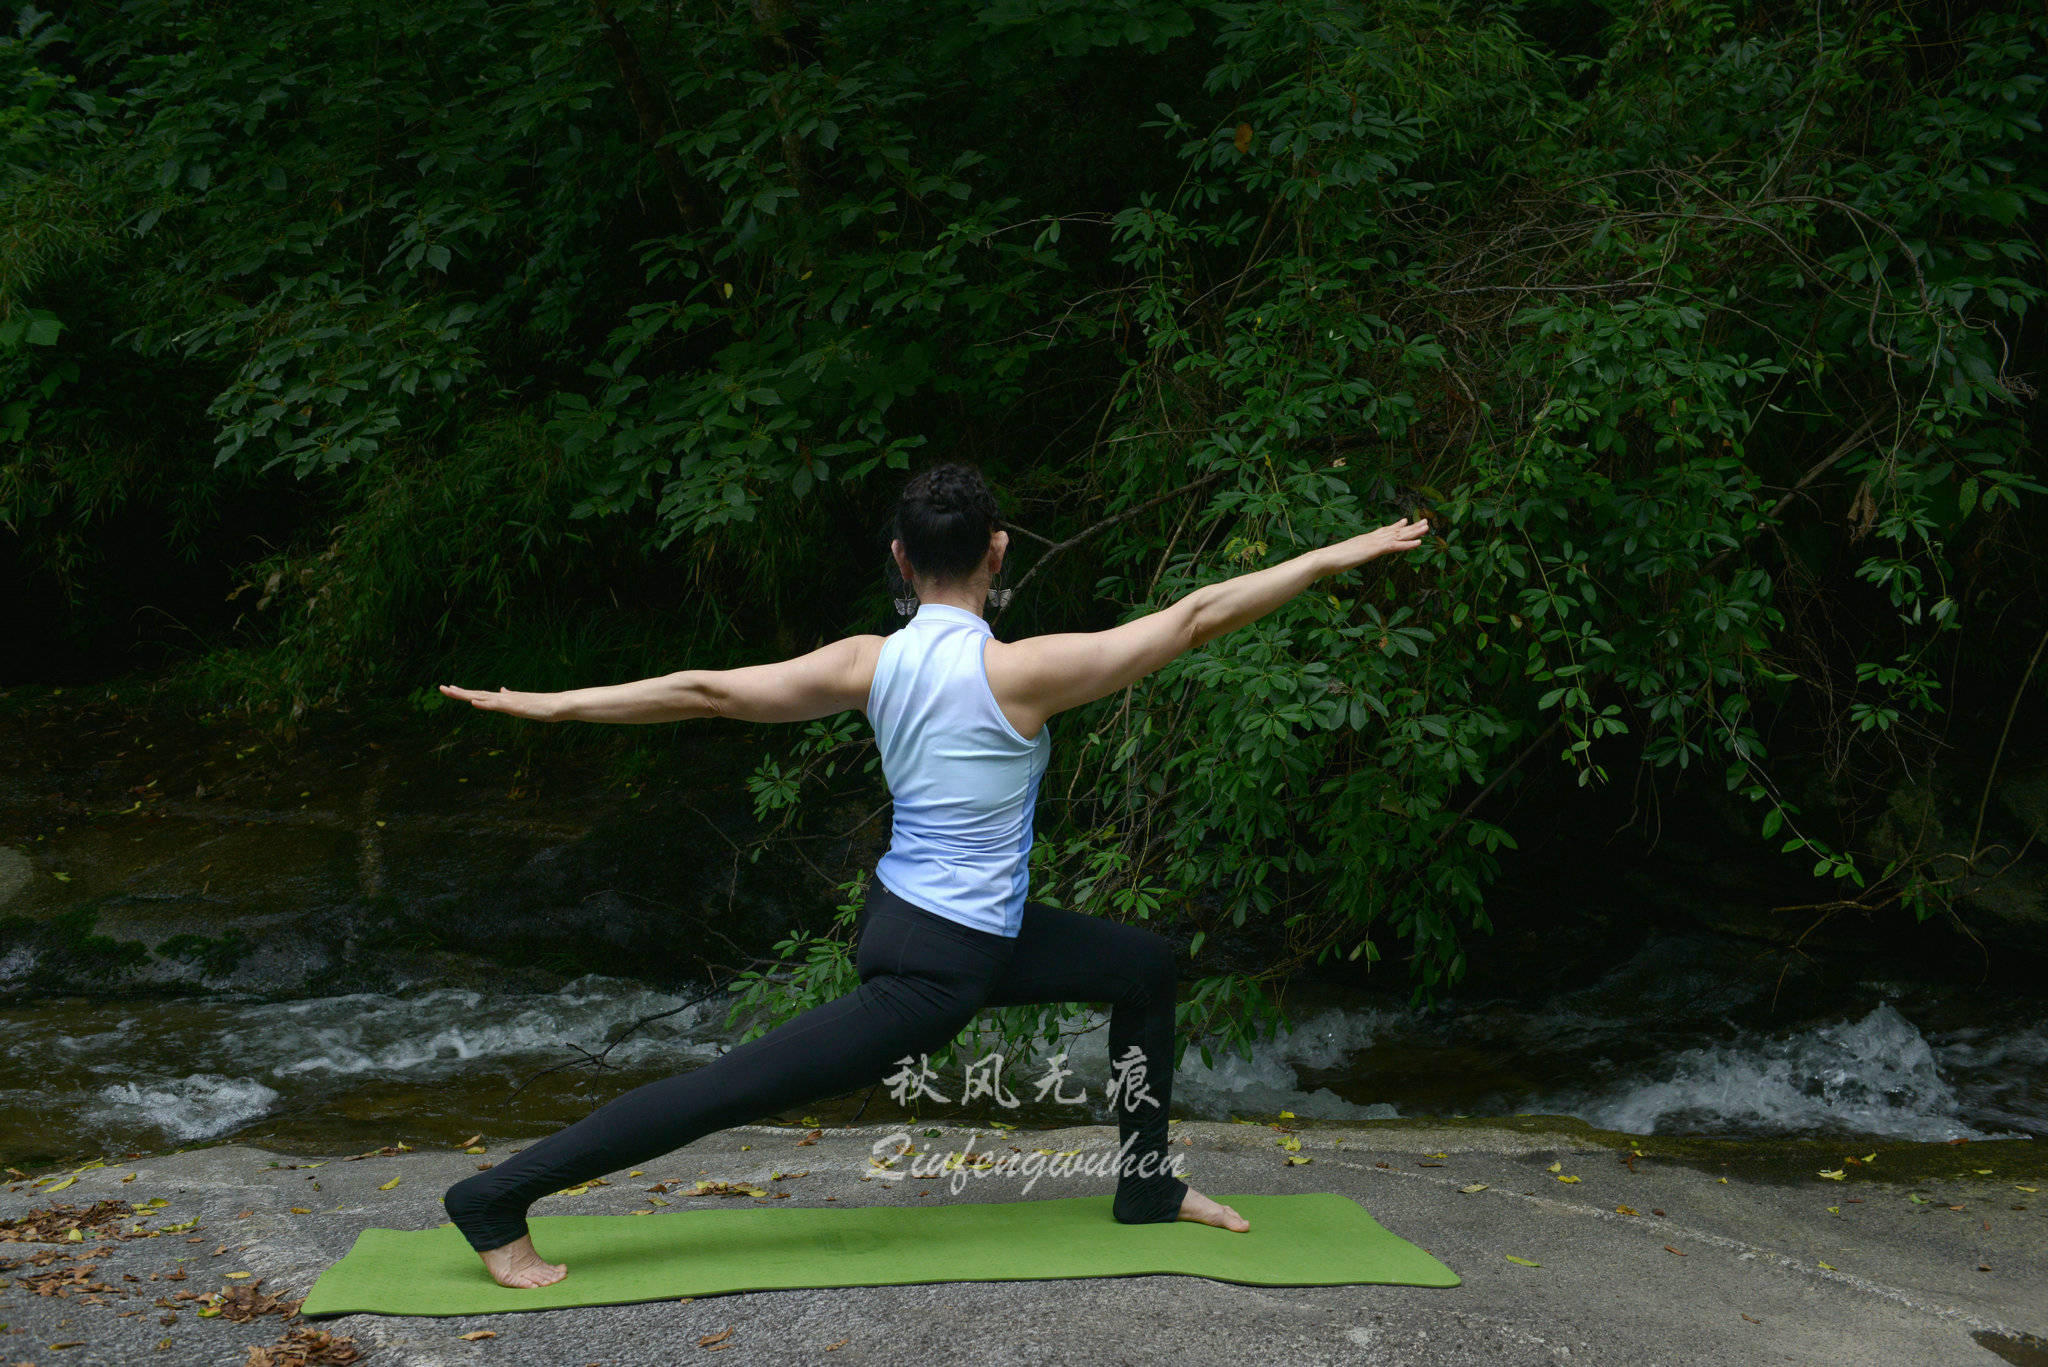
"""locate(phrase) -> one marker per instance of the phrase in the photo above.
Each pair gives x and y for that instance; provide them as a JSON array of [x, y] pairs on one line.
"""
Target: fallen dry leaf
[[304, 1348], [240, 1304], [473, 1335], [69, 1224]]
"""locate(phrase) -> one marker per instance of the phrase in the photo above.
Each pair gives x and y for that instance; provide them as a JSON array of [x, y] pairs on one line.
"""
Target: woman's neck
[[971, 597]]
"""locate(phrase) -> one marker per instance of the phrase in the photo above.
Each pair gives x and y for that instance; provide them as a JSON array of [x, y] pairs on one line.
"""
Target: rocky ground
[[1574, 1246]]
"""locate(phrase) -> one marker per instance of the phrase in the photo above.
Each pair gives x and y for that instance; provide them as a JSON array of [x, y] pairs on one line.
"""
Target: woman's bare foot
[[1197, 1207], [517, 1265]]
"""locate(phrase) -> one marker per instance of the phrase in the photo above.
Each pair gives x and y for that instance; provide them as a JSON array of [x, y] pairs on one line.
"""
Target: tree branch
[[1498, 779], [689, 204], [1110, 521], [1825, 464]]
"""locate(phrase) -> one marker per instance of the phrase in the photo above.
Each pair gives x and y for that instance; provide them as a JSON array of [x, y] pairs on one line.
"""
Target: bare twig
[[1114, 518], [1999, 753], [1820, 468], [1482, 794], [598, 1060]]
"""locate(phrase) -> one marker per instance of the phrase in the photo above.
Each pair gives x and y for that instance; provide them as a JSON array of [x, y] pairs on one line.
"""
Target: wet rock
[[204, 863], [2001, 899], [642, 894], [15, 872]]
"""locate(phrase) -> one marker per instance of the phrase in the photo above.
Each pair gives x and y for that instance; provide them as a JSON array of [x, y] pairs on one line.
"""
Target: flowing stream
[[437, 1064], [346, 946]]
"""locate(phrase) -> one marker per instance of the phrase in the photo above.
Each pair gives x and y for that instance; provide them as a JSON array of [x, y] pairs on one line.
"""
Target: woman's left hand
[[535, 706]]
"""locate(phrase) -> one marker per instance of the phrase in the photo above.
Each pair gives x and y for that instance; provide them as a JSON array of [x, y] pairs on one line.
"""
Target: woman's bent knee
[[1156, 963]]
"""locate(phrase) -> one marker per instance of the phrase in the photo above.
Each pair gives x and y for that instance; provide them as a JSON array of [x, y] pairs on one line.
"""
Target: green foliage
[[809, 970], [1699, 330]]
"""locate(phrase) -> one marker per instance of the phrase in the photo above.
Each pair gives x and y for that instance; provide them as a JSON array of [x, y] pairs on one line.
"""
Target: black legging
[[923, 978]]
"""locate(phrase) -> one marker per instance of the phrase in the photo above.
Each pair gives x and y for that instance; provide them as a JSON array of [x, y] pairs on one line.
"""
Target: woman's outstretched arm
[[670, 697], [831, 679], [1049, 674], [1228, 604]]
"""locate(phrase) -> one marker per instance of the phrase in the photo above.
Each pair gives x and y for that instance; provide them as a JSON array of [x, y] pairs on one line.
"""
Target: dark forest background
[[346, 349]]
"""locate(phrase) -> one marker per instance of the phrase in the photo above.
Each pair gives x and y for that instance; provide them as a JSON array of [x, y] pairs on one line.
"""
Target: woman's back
[[963, 779]]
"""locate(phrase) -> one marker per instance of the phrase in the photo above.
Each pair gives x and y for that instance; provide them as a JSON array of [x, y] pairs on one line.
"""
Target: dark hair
[[944, 520]]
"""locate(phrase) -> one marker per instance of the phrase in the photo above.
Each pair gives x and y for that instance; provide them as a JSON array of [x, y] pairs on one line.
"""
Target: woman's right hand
[[535, 706], [1393, 538]]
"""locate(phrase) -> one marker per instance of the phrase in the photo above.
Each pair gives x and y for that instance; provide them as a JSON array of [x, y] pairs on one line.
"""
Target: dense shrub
[[1701, 333]]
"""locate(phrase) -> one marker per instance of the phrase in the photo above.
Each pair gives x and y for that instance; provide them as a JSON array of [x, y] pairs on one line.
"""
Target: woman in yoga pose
[[960, 719]]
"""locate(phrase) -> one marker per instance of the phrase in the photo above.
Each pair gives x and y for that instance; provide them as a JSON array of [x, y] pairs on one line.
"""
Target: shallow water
[[370, 936], [436, 1065]]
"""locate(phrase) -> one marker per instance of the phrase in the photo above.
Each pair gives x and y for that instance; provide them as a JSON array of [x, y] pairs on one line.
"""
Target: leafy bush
[[1699, 330]]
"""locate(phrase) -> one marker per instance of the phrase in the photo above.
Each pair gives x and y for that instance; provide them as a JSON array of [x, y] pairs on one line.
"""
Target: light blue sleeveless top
[[964, 782]]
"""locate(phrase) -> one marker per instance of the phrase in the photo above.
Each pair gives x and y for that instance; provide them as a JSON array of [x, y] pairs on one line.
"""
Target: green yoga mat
[[1316, 1239]]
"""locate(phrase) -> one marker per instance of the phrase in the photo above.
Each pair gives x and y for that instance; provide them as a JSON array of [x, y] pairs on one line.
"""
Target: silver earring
[[998, 595]]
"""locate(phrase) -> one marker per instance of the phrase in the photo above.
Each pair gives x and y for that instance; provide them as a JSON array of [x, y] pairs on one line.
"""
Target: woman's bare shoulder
[[1042, 676]]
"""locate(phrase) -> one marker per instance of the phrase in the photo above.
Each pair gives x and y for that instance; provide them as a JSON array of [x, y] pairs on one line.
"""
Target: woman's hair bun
[[944, 519]]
